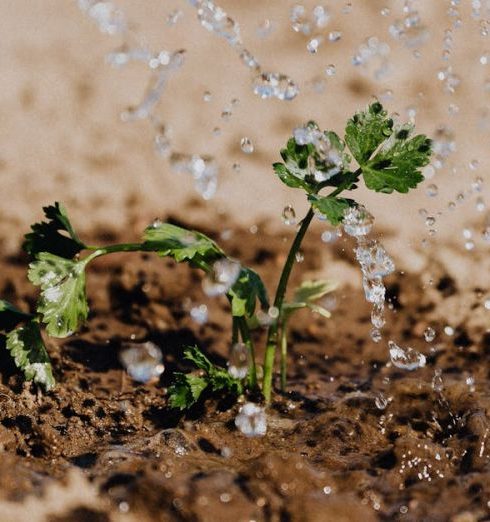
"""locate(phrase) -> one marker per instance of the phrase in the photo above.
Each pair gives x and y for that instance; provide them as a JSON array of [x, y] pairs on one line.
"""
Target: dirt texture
[[354, 438]]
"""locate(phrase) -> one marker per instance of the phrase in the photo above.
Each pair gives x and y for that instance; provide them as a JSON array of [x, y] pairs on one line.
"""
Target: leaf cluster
[[189, 387], [390, 159]]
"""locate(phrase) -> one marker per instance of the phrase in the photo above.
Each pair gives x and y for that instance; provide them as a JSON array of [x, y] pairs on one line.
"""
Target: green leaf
[[289, 179], [29, 353], [306, 294], [10, 316], [331, 207], [366, 130], [397, 164], [312, 290], [55, 236], [181, 244], [193, 354], [186, 390], [245, 292], [63, 302]]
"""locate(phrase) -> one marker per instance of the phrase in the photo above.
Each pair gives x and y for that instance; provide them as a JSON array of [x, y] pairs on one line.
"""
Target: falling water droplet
[[238, 361], [429, 334], [246, 145], [289, 215], [143, 361], [406, 358], [251, 420]]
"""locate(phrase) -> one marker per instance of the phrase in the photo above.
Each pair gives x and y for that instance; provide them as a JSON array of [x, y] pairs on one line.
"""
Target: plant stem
[[245, 333], [284, 354], [278, 301]]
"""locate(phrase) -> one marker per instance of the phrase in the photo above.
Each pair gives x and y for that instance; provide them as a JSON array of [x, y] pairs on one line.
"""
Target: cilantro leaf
[[55, 236], [188, 388], [26, 346], [10, 316], [397, 164], [289, 179], [63, 302], [331, 207], [366, 130], [181, 244], [245, 292], [295, 171]]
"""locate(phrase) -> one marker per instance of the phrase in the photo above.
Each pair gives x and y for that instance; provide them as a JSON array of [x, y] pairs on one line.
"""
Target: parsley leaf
[[397, 164], [26, 346], [10, 316], [63, 302], [55, 236], [366, 130], [245, 292], [181, 244], [331, 207], [188, 388]]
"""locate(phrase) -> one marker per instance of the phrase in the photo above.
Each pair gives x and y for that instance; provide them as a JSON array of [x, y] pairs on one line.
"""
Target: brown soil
[[103, 448]]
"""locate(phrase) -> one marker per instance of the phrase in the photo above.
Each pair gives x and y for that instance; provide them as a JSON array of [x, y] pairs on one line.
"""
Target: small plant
[[389, 159]]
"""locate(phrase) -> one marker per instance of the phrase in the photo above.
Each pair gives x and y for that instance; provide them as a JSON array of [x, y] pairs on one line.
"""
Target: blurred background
[[65, 89]]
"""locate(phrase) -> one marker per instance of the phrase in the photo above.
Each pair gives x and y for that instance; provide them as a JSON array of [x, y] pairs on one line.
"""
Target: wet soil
[[353, 439]]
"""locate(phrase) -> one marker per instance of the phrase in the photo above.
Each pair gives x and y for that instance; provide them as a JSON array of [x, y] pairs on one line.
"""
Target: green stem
[[284, 354], [246, 338], [272, 339], [234, 330], [278, 301]]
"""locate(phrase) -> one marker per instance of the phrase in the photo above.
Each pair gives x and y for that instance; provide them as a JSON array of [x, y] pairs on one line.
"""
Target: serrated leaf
[[55, 236], [10, 316], [245, 292], [397, 164], [194, 354], [26, 346], [331, 207], [180, 243], [186, 390], [289, 179], [63, 301], [366, 131]]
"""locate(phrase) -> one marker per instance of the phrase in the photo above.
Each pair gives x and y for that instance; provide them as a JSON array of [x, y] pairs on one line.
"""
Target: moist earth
[[354, 438]]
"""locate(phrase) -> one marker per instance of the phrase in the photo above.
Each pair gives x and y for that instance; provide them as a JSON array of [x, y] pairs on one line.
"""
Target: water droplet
[[289, 215], [374, 290], [223, 276], [374, 260], [334, 36], [376, 335], [199, 314], [207, 97], [246, 145], [432, 190], [385, 11], [377, 315], [429, 334], [143, 361], [357, 221], [275, 85], [273, 312], [330, 70], [430, 221], [238, 361], [437, 382], [405, 358], [380, 401], [214, 19], [313, 45], [249, 60], [251, 420], [299, 257]]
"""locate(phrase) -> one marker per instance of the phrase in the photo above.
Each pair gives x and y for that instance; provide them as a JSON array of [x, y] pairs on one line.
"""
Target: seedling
[[388, 159]]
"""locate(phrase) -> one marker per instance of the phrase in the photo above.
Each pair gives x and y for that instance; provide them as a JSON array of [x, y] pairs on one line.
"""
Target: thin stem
[[272, 339], [245, 333], [234, 330], [284, 354], [122, 247], [278, 301]]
